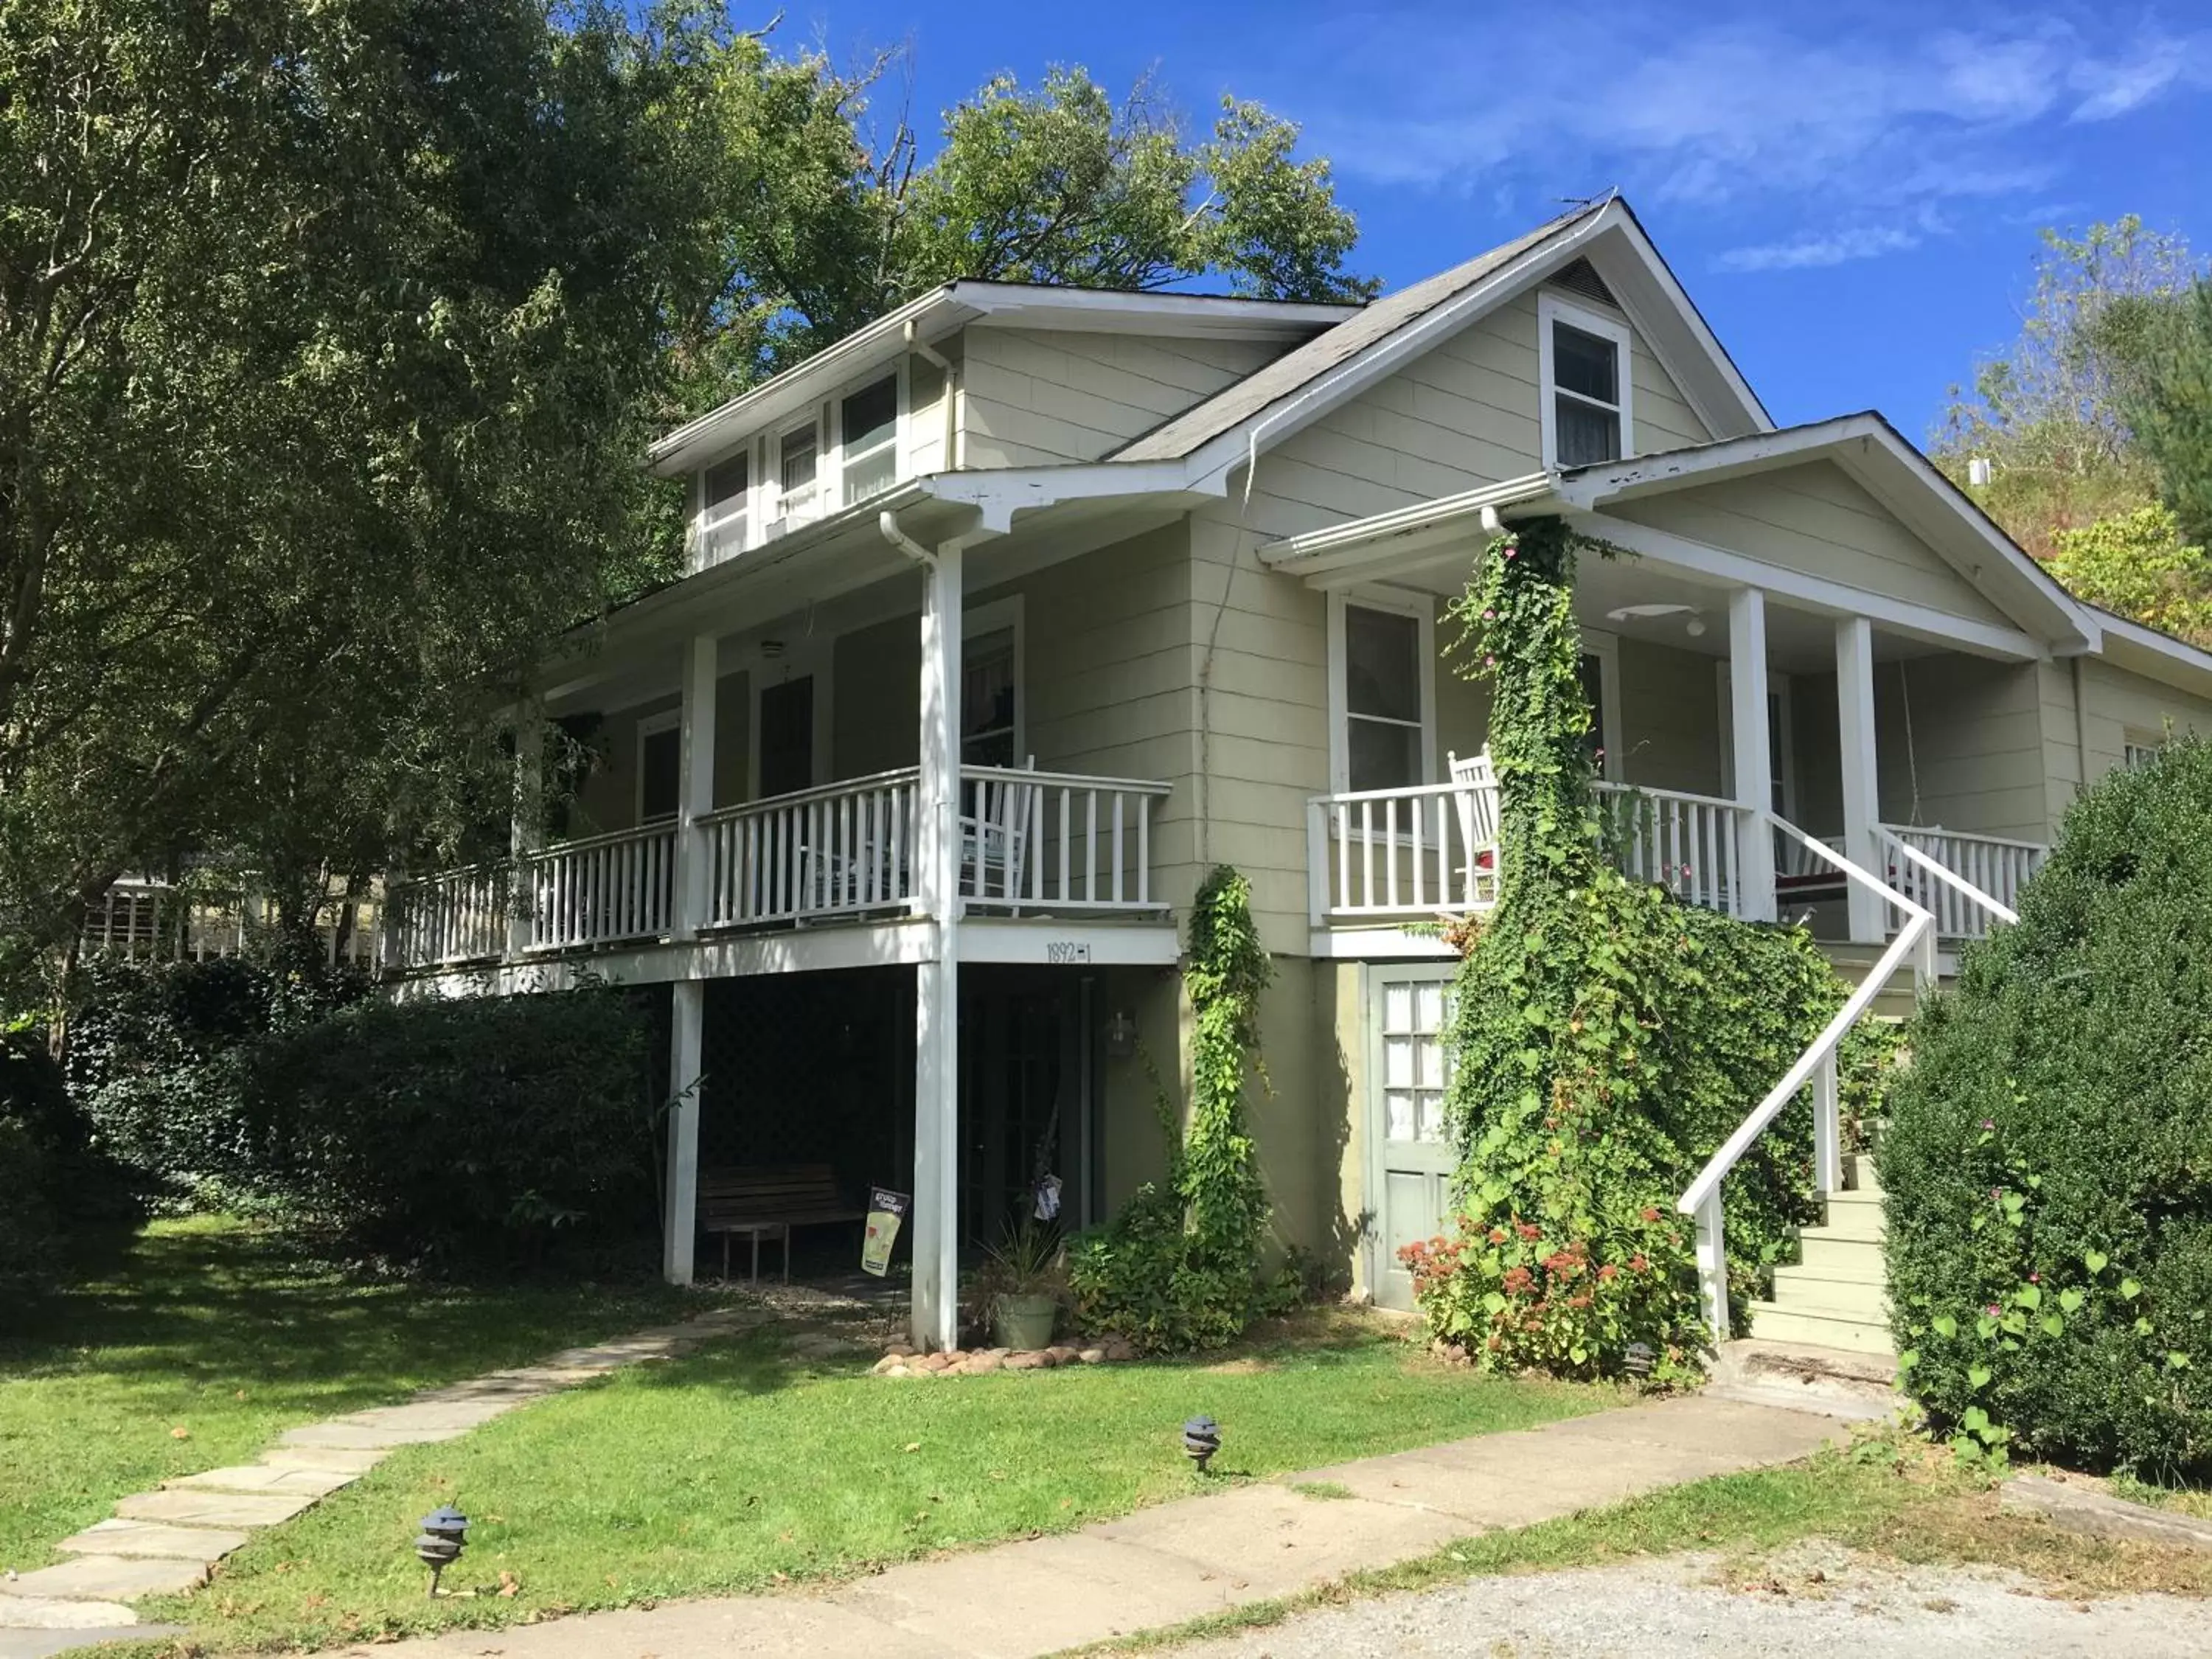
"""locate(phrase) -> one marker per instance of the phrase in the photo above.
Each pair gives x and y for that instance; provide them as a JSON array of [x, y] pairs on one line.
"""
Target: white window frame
[[896, 444], [2139, 746], [1422, 608], [1605, 648], [1008, 613], [1784, 757], [652, 726], [1552, 309], [823, 472], [750, 507], [764, 450]]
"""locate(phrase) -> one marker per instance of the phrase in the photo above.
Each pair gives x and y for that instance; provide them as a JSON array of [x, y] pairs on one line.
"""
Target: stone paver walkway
[[1202, 1555], [168, 1541]]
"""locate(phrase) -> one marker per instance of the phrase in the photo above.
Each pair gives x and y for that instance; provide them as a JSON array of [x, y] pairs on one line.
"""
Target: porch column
[[1754, 765], [687, 1026], [526, 828], [691, 909], [1862, 790], [937, 981]]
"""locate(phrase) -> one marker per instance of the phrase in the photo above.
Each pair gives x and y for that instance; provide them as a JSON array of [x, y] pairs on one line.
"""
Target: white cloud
[[1805, 252]]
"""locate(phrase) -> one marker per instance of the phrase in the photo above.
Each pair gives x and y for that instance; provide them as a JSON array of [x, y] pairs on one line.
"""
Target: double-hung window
[[868, 435], [1386, 698], [1584, 359], [798, 461], [728, 491]]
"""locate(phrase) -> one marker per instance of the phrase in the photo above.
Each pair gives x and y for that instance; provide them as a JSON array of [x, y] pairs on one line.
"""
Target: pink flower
[[1511, 551], [1994, 1310], [1996, 1191], [1989, 1123], [1490, 662], [2035, 1279], [1490, 616]]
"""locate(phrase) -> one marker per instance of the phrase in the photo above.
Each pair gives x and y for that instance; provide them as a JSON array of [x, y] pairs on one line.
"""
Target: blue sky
[[1850, 192]]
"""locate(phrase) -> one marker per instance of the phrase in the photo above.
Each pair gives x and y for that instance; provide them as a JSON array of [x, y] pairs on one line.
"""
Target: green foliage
[[2172, 413], [452, 1132], [59, 1181], [1606, 1039], [1178, 1268], [2136, 563], [2049, 1161], [158, 1056]]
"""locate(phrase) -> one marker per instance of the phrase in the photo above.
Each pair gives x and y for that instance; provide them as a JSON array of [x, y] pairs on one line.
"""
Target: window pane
[[798, 459], [658, 765], [871, 415], [1383, 756], [1399, 1110], [1583, 434], [1584, 362], [1383, 664], [871, 474], [727, 482], [986, 699]]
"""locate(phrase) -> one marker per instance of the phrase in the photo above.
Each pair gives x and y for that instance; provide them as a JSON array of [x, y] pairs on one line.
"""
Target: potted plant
[[1021, 1284]]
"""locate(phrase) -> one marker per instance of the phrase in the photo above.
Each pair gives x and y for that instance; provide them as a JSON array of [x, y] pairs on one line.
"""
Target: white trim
[[1605, 648], [1046, 942], [652, 726], [1785, 761], [1374, 944], [1418, 528], [1552, 309], [1421, 607], [980, 619], [1715, 567]]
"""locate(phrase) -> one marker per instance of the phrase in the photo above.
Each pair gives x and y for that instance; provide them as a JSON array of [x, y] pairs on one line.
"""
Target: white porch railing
[[1971, 882], [601, 890], [1055, 841], [1688, 844], [1377, 856], [819, 854], [1915, 943], [454, 916]]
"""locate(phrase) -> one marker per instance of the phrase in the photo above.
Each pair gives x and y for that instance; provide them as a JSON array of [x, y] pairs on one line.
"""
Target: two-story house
[[1012, 613]]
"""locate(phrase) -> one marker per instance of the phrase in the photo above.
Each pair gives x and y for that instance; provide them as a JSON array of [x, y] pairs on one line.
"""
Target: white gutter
[[887, 522], [929, 353], [1482, 505]]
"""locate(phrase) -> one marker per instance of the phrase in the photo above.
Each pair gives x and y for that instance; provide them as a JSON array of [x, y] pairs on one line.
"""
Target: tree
[[2137, 564], [2052, 411], [2171, 412], [326, 337], [825, 227]]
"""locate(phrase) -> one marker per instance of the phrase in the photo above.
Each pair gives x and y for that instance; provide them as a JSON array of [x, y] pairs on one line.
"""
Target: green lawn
[[741, 1467], [204, 1341]]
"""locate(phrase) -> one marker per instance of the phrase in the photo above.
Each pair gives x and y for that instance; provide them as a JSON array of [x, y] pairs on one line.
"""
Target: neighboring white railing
[[1055, 841], [1382, 855], [601, 890], [454, 916], [1971, 882], [1688, 844], [840, 850], [1915, 943]]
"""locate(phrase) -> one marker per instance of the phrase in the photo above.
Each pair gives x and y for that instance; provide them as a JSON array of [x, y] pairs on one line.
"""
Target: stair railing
[[1915, 943], [1968, 898]]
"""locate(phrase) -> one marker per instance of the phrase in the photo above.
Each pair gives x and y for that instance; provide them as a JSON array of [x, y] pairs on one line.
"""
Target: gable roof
[[1647, 291]]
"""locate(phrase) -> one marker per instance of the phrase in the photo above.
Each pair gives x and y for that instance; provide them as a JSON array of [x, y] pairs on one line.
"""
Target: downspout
[[929, 353], [887, 522], [2081, 725]]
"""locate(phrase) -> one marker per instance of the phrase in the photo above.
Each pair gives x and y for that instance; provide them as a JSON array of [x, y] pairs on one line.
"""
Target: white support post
[[687, 1029], [1861, 789], [1754, 764], [526, 828], [694, 787], [937, 981], [1712, 1267], [1828, 1128]]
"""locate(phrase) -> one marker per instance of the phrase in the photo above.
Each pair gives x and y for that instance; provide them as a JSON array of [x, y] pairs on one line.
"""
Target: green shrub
[[1606, 1040], [57, 1183], [444, 1132], [1178, 1268], [2049, 1158]]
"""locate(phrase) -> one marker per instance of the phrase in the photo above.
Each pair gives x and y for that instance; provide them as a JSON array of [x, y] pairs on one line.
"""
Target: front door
[[787, 737], [1410, 1158]]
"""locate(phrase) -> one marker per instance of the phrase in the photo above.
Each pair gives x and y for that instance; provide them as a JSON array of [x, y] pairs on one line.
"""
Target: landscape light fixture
[[1202, 1439], [1638, 1359], [444, 1535]]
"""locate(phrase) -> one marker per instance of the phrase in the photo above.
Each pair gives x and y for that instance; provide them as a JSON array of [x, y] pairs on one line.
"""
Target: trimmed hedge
[[2049, 1160], [54, 1181]]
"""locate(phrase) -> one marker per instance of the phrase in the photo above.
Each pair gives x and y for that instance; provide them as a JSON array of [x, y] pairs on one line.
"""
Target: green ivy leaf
[[2029, 1296], [1978, 1376], [2095, 1261], [2130, 1289], [2070, 1300], [1945, 1325], [2142, 1327], [1908, 1359], [2053, 1325]]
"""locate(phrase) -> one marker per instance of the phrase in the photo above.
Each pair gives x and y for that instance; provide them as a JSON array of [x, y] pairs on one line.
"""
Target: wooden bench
[[770, 1200]]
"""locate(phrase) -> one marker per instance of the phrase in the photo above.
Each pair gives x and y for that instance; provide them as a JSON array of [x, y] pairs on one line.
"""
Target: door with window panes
[[1409, 1155]]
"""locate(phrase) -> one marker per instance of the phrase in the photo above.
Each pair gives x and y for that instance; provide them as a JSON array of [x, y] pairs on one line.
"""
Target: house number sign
[[1060, 952]]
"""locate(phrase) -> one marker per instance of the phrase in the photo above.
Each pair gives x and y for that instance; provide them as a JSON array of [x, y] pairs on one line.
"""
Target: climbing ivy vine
[[1178, 1266], [1605, 1038]]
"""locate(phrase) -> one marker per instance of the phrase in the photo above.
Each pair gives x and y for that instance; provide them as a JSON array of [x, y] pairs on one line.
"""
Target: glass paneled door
[[1410, 1158]]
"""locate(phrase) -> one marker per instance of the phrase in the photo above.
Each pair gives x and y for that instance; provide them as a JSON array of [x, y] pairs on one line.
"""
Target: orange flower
[[1609, 1271], [1498, 1235], [1649, 1213], [1637, 1263]]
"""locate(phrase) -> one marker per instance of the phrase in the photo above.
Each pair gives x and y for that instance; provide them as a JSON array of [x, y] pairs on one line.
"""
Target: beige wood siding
[[1659, 414], [1816, 520], [1670, 718], [924, 423], [1032, 398], [876, 698], [2125, 708]]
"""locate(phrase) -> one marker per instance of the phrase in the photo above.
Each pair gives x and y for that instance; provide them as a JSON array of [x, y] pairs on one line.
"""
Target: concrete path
[[1201, 1555], [166, 1540]]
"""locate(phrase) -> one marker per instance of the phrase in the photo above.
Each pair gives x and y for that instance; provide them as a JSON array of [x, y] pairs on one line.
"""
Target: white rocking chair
[[994, 838], [1477, 802]]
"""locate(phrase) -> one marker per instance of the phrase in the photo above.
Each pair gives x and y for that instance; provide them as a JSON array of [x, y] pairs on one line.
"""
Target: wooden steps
[[1838, 1297]]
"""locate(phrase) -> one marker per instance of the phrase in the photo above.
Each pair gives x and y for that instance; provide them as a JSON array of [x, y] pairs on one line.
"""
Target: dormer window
[[1585, 366], [798, 457], [728, 498], [868, 435]]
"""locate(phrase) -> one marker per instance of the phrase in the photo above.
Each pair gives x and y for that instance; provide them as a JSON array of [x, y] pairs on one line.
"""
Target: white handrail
[[1375, 855], [1916, 939], [1965, 909]]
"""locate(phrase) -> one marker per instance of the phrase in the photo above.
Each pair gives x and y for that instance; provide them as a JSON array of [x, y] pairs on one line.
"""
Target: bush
[[2049, 1160], [57, 1183], [1178, 1266], [440, 1132], [1606, 1040], [154, 1056]]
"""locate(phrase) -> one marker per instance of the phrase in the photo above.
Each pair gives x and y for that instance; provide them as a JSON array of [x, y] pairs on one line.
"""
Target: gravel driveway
[[1819, 1599]]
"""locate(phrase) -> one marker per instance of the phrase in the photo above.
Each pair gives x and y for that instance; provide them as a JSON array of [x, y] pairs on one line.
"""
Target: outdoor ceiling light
[[1649, 612], [444, 1535], [1202, 1438]]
